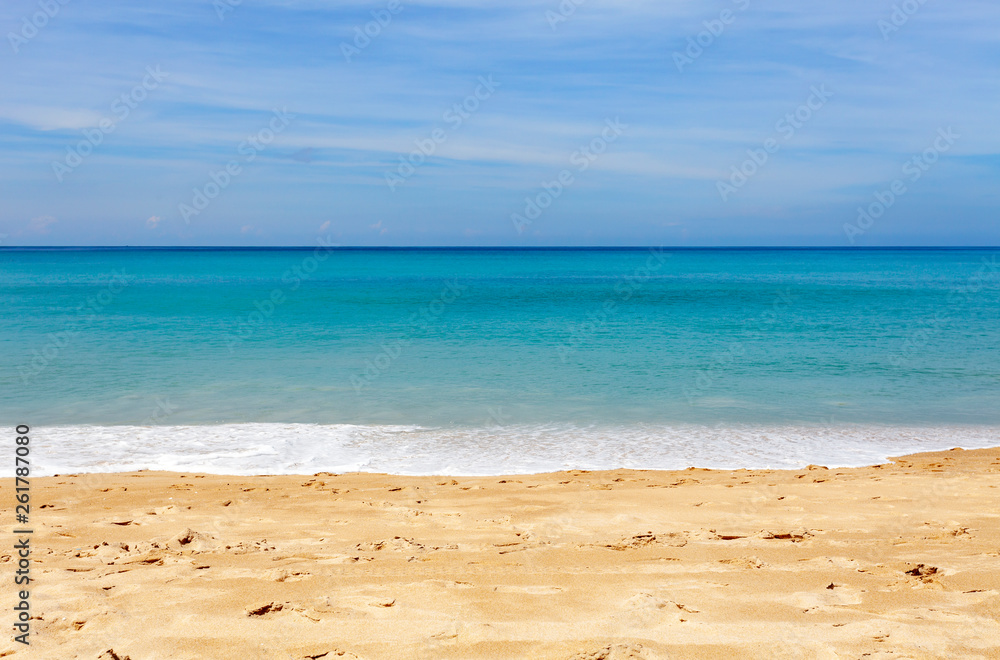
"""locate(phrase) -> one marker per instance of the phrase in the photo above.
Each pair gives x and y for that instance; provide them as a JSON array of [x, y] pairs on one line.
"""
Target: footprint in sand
[[397, 543], [110, 654], [530, 590], [645, 610], [616, 652], [285, 575], [825, 597], [265, 609], [192, 540], [743, 562], [449, 584], [274, 608], [671, 539]]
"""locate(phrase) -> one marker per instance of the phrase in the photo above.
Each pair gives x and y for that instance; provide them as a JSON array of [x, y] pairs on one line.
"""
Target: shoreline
[[302, 449], [888, 460], [896, 560]]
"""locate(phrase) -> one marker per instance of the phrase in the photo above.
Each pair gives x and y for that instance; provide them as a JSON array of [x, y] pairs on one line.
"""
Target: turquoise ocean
[[490, 361]]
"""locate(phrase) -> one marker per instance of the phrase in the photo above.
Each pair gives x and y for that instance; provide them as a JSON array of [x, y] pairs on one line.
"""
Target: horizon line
[[499, 247]]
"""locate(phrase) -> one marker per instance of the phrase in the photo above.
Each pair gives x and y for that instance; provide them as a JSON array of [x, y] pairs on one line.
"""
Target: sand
[[893, 561]]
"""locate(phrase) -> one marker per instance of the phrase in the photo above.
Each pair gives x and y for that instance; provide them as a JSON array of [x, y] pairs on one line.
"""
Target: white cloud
[[49, 118]]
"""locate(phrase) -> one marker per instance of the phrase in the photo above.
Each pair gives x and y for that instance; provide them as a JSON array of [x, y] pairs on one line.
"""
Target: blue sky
[[557, 77]]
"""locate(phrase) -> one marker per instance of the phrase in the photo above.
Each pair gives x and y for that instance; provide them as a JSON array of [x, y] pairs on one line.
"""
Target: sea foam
[[248, 449]]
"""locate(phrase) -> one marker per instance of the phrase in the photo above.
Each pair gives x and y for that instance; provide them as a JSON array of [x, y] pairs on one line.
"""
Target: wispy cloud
[[608, 59]]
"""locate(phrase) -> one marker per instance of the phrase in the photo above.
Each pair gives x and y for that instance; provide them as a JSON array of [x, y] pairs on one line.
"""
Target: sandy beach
[[900, 560]]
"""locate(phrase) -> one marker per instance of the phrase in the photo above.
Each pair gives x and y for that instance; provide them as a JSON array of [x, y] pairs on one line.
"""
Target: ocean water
[[488, 361]]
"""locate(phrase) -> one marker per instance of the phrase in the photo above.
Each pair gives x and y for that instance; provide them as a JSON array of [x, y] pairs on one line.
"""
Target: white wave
[[247, 449]]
